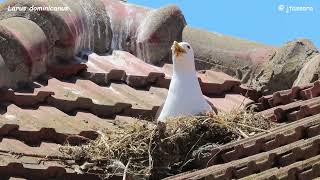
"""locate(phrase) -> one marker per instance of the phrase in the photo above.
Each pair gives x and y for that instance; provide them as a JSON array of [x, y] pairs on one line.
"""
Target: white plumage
[[185, 95]]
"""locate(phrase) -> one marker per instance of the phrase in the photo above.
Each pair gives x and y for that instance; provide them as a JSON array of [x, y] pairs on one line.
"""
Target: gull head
[[182, 55]]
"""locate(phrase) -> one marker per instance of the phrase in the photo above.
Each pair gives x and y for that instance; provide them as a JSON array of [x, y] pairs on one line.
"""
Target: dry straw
[[145, 149]]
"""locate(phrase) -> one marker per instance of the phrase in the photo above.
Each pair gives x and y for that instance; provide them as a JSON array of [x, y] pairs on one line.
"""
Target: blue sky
[[257, 20], [264, 21]]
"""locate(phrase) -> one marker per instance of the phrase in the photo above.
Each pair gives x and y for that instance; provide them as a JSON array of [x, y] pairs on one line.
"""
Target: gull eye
[[188, 46]]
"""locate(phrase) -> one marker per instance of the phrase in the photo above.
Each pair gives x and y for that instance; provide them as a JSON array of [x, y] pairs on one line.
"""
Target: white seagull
[[185, 96]]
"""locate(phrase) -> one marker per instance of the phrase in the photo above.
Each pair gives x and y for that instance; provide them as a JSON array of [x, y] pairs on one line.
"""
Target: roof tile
[[24, 170], [112, 89], [259, 144], [306, 169], [230, 102], [122, 66], [279, 157]]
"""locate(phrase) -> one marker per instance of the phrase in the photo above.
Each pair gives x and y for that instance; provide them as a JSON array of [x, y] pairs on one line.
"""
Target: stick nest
[[149, 150]]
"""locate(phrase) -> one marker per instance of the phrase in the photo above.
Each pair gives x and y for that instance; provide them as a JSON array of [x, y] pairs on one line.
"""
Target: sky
[[272, 22]]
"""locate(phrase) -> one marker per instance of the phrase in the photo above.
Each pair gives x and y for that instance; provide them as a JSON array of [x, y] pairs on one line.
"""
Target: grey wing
[[213, 107]]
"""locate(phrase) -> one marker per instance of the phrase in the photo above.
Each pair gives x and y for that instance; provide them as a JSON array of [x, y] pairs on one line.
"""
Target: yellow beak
[[177, 49]]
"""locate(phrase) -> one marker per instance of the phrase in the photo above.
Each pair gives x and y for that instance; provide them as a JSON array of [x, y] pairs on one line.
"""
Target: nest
[[149, 150]]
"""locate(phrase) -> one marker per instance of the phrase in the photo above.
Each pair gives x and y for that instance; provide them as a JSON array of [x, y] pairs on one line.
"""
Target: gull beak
[[177, 49]]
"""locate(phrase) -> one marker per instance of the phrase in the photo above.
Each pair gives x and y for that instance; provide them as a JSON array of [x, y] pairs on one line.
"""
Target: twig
[[149, 150], [174, 136], [258, 129], [126, 170], [242, 133], [51, 157], [205, 120], [213, 157], [185, 158]]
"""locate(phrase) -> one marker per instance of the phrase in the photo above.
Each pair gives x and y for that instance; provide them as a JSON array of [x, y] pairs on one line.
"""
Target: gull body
[[184, 96]]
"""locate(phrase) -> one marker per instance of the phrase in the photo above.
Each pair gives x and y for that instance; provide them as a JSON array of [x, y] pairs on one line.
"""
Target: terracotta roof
[[290, 151], [35, 122], [79, 98]]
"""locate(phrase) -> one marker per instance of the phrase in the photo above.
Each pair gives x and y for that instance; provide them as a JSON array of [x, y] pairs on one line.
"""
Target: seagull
[[185, 96]]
